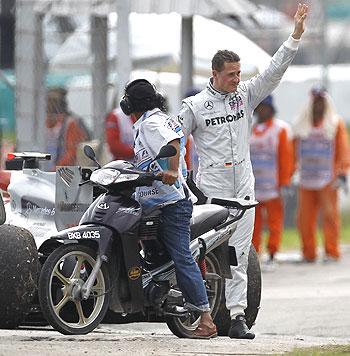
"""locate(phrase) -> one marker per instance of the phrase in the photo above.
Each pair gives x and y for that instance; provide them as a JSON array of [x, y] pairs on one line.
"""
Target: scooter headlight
[[127, 177], [104, 176]]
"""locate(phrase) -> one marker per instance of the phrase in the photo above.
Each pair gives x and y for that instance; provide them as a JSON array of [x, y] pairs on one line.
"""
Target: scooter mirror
[[166, 151], [89, 152]]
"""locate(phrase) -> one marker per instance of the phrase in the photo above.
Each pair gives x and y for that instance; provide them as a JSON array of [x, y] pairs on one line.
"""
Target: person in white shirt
[[152, 130]]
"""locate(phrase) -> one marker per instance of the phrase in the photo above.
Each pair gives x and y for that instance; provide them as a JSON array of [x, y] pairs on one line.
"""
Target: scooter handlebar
[[158, 178]]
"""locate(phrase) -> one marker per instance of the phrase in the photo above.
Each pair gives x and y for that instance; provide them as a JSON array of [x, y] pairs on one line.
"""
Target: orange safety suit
[[191, 156], [63, 140], [271, 156], [119, 134], [321, 154]]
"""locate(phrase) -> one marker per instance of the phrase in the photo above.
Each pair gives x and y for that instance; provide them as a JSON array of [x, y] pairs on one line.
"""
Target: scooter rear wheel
[[222, 319], [61, 279], [183, 327]]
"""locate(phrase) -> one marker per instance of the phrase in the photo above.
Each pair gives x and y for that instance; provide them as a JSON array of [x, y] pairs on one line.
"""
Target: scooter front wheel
[[61, 279]]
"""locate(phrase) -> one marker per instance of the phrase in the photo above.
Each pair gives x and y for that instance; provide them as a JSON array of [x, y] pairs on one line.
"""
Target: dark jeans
[[176, 238]]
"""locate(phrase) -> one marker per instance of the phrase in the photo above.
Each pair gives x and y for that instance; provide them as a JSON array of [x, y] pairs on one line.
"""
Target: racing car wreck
[[19, 269]]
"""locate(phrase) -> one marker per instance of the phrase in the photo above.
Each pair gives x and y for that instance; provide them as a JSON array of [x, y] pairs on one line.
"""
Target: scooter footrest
[[177, 311], [212, 277]]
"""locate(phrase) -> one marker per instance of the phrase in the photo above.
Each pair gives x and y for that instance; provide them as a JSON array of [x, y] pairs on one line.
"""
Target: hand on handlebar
[[169, 177]]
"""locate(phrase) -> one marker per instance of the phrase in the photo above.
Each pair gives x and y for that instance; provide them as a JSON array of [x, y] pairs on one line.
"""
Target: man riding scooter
[[152, 130]]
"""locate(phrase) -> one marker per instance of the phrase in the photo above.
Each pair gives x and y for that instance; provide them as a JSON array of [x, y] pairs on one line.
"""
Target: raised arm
[[299, 21], [263, 84]]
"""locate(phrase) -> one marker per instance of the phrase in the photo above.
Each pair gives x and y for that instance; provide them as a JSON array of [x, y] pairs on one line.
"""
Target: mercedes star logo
[[208, 105]]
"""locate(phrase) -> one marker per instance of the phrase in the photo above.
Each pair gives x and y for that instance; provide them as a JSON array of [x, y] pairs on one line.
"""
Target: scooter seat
[[206, 217]]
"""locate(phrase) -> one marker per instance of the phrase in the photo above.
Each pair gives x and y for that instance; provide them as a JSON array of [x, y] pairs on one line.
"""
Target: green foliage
[[291, 240], [326, 350]]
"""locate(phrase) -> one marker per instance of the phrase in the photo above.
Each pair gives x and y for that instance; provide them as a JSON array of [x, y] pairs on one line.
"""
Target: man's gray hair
[[222, 56]]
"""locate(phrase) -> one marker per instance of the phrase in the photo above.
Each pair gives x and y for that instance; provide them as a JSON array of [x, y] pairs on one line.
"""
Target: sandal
[[205, 332]]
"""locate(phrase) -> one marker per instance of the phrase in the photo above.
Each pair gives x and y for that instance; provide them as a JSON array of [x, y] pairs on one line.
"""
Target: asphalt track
[[302, 305]]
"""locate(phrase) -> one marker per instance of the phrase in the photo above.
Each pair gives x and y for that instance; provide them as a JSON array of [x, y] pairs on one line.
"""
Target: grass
[[291, 241], [326, 350]]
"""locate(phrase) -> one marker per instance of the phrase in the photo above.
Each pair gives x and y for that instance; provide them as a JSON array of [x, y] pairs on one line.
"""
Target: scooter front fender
[[102, 235]]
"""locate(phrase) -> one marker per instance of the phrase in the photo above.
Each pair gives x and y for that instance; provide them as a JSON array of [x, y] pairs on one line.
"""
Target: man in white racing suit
[[220, 119]]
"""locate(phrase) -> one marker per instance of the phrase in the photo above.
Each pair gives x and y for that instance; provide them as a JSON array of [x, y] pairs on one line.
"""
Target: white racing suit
[[220, 124]]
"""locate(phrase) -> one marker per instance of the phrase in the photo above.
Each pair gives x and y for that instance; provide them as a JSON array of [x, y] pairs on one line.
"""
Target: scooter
[[47, 202], [114, 258]]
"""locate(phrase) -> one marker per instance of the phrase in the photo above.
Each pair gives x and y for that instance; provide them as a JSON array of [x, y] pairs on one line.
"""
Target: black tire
[[69, 319], [254, 288], [2, 211], [35, 317], [222, 319], [19, 268], [184, 327]]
